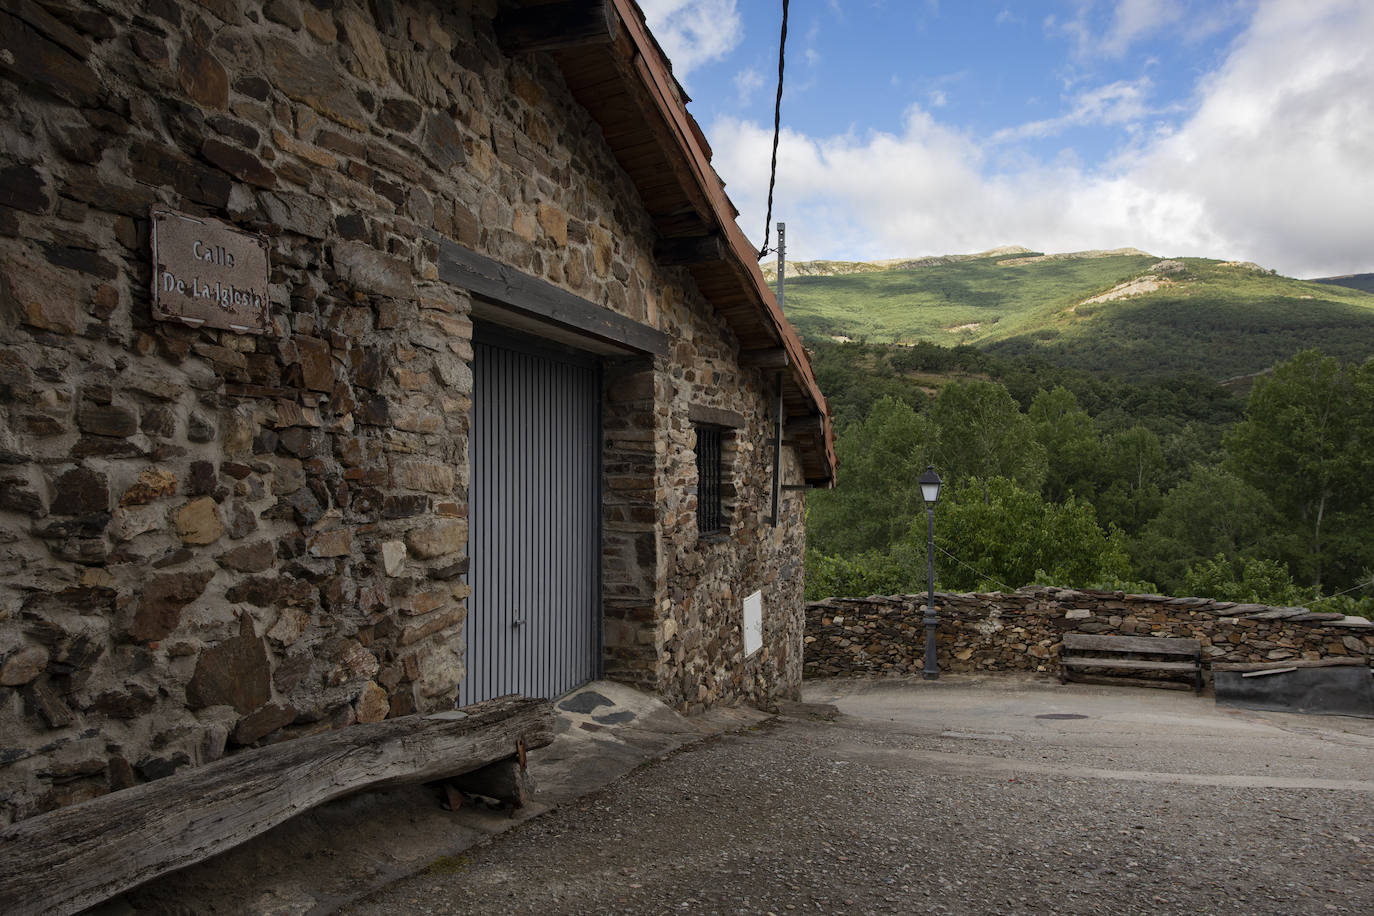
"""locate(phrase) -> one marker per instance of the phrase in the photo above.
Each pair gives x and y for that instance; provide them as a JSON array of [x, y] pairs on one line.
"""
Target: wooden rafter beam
[[695, 250], [766, 358], [811, 425], [557, 26]]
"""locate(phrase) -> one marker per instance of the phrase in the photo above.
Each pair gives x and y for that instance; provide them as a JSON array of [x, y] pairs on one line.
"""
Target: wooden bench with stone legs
[[73, 858], [1082, 652]]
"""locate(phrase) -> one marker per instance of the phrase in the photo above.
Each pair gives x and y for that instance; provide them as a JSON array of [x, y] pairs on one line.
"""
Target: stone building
[[361, 358]]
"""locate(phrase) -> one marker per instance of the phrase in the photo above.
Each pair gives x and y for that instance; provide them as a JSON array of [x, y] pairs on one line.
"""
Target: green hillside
[[1163, 316]]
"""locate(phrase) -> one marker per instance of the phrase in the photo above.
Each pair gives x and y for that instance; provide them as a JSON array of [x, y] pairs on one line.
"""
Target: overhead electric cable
[[777, 129]]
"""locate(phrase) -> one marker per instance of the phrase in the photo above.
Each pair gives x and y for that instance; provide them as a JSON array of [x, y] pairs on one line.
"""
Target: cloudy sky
[[1236, 129]]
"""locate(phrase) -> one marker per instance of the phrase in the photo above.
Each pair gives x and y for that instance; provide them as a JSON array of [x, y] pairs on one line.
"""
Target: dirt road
[[959, 796]]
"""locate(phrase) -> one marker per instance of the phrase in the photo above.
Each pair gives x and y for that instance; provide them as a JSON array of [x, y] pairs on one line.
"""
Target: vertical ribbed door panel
[[533, 621]]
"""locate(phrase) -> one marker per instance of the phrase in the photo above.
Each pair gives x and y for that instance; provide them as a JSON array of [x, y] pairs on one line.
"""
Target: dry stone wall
[[1022, 631], [211, 540]]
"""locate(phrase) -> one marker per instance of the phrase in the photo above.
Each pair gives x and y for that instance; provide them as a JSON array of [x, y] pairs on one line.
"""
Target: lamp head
[[930, 486]]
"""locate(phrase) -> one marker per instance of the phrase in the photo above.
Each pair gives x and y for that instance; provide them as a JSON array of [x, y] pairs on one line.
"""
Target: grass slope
[[1208, 316]]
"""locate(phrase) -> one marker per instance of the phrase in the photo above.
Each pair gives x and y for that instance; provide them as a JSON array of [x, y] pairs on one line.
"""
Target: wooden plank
[[765, 358], [509, 287], [1335, 662], [1161, 645], [811, 425], [695, 250], [1139, 664], [73, 858], [1132, 682], [557, 26]]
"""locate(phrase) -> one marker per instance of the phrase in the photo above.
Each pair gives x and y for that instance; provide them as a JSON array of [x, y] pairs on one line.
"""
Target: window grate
[[708, 480]]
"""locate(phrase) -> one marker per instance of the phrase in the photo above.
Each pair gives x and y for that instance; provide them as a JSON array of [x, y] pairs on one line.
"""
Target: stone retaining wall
[[1022, 631]]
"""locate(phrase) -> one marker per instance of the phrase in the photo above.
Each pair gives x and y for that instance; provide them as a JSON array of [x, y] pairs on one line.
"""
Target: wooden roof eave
[[654, 69], [692, 199]]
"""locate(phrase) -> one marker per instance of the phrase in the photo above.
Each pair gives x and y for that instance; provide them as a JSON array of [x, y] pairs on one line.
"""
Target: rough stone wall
[[701, 659], [211, 540], [674, 599], [1022, 631]]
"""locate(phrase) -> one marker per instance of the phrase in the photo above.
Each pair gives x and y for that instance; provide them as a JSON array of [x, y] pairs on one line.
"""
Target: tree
[[1073, 449], [1134, 464], [1252, 581], [878, 495], [1211, 514], [996, 534], [1306, 442], [982, 434]]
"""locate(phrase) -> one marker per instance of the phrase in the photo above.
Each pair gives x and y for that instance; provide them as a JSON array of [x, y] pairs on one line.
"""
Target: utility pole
[[778, 406]]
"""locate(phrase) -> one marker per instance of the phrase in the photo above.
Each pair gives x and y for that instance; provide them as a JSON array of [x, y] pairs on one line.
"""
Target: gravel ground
[[876, 813]]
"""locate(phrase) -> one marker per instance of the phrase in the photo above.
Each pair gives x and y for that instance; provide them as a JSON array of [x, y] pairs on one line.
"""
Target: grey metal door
[[533, 623]]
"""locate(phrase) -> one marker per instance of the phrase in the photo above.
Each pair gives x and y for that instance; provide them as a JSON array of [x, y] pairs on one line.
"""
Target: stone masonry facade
[[1022, 630], [211, 540]]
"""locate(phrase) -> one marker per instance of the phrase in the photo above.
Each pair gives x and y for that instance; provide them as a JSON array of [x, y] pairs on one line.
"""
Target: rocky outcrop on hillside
[[1076, 256], [837, 268]]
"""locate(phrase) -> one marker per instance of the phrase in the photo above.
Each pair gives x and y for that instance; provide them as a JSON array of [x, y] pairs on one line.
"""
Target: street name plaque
[[208, 274]]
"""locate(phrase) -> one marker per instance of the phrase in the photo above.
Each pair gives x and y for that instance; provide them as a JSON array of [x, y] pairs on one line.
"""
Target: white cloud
[[747, 82], [1136, 19], [693, 32], [1112, 33], [1119, 103], [1273, 165]]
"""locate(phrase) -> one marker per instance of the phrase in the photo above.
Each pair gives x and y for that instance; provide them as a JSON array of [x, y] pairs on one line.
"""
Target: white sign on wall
[[753, 623]]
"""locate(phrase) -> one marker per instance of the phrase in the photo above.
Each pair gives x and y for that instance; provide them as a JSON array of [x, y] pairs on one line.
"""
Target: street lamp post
[[930, 492]]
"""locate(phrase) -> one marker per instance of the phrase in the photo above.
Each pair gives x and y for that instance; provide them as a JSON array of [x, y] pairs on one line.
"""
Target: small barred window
[[709, 464]]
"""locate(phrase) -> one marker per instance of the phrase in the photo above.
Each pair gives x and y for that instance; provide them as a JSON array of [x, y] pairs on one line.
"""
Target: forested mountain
[[1092, 471], [1123, 312], [1363, 282]]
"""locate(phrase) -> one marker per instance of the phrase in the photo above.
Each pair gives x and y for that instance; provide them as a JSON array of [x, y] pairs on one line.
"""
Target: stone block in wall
[[198, 522], [162, 600], [438, 539], [39, 295], [312, 80], [234, 672]]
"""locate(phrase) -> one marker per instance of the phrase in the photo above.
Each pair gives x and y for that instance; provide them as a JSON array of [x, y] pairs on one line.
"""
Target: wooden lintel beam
[[533, 296], [695, 250], [766, 358], [557, 26]]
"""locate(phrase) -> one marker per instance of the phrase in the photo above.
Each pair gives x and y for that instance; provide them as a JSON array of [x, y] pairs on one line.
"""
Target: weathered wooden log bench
[[1155, 654], [73, 858]]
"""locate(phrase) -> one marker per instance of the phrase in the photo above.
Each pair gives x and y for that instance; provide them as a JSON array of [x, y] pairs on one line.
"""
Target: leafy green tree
[[982, 434], [1073, 449], [1252, 580], [881, 459], [1306, 441], [874, 572], [1134, 465], [997, 534], [1211, 514]]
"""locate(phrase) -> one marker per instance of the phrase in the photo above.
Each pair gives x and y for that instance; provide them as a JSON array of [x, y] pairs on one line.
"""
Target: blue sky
[[1240, 130]]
